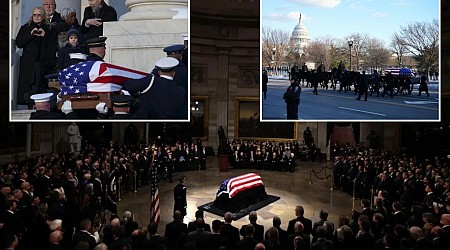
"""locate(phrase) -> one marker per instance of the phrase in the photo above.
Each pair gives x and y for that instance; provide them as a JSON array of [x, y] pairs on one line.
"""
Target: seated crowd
[[250, 154], [79, 187]]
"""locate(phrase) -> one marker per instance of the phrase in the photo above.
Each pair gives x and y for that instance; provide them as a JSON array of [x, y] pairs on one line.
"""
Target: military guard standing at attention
[[97, 49], [179, 196], [160, 97]]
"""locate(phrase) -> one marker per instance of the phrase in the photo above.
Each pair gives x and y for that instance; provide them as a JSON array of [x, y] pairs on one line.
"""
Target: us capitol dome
[[300, 36]]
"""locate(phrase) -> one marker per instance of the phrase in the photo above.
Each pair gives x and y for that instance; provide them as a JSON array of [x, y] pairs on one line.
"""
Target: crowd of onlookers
[[58, 201], [74, 189]]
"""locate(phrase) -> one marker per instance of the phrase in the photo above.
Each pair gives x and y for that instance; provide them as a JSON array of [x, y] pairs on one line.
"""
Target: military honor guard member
[[160, 97], [179, 196], [97, 49], [121, 106], [42, 106]]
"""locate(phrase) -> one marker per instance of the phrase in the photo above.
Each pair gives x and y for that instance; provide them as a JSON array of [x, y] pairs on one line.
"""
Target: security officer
[[97, 49], [292, 99], [160, 97], [179, 196]]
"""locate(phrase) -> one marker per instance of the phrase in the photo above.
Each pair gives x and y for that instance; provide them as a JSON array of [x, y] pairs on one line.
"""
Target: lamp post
[[350, 44], [274, 50]]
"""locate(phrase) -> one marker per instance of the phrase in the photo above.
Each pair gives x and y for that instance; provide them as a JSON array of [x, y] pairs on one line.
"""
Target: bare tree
[[398, 48], [275, 46], [377, 56], [359, 46], [422, 40], [322, 50]]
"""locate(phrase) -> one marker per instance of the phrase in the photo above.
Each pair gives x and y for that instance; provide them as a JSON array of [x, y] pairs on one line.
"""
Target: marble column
[[137, 39], [223, 58]]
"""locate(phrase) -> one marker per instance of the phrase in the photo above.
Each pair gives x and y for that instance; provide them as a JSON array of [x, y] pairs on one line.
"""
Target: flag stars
[[81, 73], [83, 65], [71, 87], [77, 91], [77, 69]]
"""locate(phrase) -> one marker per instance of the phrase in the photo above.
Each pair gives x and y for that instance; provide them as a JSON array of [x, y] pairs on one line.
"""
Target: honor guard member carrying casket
[[97, 49], [121, 105], [160, 97], [181, 72], [44, 112]]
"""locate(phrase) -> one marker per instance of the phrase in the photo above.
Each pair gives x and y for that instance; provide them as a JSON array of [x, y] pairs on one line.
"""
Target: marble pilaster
[[222, 88]]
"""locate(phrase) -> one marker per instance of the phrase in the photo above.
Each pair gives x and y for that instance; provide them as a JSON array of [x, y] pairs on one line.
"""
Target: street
[[333, 105]]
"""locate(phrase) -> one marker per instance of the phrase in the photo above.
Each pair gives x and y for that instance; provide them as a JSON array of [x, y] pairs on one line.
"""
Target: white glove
[[101, 108], [67, 107], [124, 92], [58, 97]]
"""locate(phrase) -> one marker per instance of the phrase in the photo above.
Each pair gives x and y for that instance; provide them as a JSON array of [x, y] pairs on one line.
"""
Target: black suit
[[106, 14], [154, 241], [400, 218], [246, 244], [231, 233], [176, 233], [56, 18], [192, 226], [307, 225], [84, 236], [258, 233], [119, 243], [320, 243], [217, 240]]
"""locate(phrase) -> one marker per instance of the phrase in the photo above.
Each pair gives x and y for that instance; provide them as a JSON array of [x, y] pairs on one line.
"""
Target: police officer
[[97, 49], [160, 97], [179, 196], [292, 99], [363, 85]]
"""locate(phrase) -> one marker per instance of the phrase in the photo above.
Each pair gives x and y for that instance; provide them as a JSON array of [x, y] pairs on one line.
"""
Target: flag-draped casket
[[93, 82], [240, 192]]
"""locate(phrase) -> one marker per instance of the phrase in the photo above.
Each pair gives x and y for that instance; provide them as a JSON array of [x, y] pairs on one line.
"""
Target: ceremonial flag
[[154, 206], [238, 184], [95, 77]]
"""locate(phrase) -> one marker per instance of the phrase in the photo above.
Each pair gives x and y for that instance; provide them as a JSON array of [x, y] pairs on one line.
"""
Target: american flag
[[238, 184], [154, 206], [96, 77]]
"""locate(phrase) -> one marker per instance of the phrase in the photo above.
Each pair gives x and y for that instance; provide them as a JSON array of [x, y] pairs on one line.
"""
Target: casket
[[240, 192], [88, 83]]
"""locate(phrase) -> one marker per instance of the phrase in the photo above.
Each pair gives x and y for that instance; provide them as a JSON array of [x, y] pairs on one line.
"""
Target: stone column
[[136, 41], [223, 57]]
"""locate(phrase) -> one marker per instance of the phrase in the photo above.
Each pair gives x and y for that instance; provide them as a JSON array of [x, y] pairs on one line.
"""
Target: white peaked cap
[[44, 97]]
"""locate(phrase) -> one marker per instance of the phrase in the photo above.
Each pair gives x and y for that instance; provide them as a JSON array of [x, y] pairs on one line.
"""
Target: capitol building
[[300, 37]]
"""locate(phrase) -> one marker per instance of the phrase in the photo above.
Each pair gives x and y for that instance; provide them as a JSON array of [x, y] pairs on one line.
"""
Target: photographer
[[292, 99]]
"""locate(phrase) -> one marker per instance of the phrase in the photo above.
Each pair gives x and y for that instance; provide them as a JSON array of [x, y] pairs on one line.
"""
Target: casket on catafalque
[[90, 82], [240, 195], [240, 192]]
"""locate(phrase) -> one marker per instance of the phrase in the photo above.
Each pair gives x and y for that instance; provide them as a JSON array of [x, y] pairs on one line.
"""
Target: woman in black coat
[[34, 37]]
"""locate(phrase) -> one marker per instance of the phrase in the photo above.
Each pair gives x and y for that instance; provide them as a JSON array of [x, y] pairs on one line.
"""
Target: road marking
[[362, 111], [420, 102]]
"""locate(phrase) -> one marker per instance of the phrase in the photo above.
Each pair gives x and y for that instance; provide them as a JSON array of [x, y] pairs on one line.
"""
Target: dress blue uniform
[[161, 97]]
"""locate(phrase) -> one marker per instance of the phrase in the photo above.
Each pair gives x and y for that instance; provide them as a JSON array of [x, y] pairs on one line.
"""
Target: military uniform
[[179, 196], [160, 97]]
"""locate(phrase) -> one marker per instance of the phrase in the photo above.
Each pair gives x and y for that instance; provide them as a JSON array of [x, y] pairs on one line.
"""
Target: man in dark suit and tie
[[258, 229], [307, 223], [365, 206], [155, 240], [176, 231], [248, 243], [229, 231], [85, 235]]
